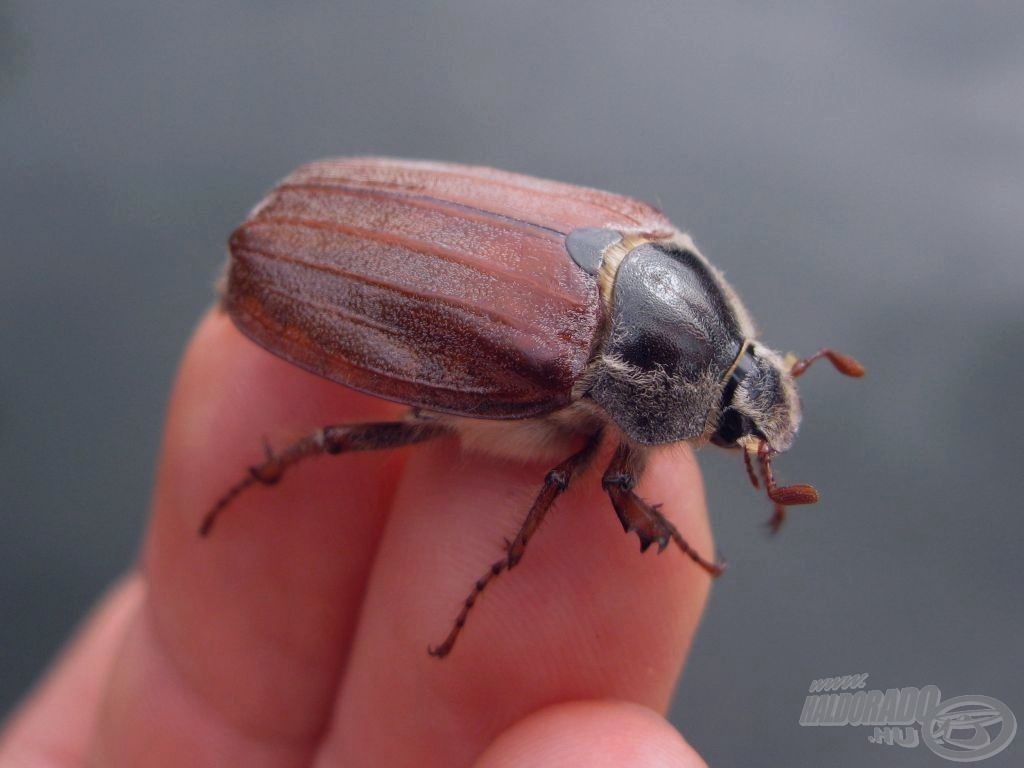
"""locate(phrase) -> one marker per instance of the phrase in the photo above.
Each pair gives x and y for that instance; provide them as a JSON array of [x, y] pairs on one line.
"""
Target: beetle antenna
[[845, 364], [786, 496]]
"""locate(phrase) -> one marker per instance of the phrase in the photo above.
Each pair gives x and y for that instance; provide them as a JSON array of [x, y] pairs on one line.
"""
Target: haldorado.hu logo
[[963, 729]]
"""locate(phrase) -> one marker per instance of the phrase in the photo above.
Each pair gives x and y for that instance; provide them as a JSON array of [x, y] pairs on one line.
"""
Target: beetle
[[522, 314]]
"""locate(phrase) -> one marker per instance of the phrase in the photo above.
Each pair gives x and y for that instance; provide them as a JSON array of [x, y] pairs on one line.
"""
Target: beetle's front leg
[[637, 516], [372, 436], [555, 484]]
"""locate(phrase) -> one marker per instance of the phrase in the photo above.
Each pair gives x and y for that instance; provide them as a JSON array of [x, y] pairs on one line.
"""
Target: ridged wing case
[[437, 285]]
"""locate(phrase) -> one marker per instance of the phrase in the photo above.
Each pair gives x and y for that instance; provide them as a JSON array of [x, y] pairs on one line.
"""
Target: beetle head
[[760, 412], [759, 404]]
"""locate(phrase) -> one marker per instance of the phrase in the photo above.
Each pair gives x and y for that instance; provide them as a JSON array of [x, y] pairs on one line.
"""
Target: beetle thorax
[[673, 330]]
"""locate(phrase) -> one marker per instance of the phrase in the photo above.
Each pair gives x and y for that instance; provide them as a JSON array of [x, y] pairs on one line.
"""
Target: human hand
[[297, 633]]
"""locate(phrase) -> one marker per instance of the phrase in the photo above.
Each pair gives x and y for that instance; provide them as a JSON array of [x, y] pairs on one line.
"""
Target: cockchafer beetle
[[524, 315]]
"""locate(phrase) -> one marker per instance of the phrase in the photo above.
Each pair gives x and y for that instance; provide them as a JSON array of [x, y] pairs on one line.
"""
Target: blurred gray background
[[857, 172]]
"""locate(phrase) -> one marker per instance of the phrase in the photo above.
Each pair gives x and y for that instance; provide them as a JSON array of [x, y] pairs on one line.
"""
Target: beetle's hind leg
[[371, 436], [641, 518], [555, 484]]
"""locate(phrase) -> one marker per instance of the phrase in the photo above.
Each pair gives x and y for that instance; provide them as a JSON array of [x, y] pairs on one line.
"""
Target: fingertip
[[597, 734]]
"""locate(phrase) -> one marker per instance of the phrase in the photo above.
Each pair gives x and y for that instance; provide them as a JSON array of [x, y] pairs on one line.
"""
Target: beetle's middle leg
[[637, 516], [555, 483], [371, 436]]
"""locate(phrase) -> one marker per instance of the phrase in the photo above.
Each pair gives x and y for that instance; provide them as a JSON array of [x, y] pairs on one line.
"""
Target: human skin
[[297, 634]]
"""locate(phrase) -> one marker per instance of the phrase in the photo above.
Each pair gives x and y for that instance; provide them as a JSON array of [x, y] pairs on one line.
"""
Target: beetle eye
[[731, 427]]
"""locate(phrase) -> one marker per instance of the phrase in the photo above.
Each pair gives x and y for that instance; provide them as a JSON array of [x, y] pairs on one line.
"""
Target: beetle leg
[[750, 468], [555, 483], [637, 516], [786, 496], [331, 440], [777, 519]]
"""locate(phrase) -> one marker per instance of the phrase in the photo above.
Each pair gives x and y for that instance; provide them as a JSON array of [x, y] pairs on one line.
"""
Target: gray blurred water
[[857, 171]]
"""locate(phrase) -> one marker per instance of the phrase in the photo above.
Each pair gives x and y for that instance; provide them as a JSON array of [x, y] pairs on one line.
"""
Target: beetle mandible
[[518, 313]]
